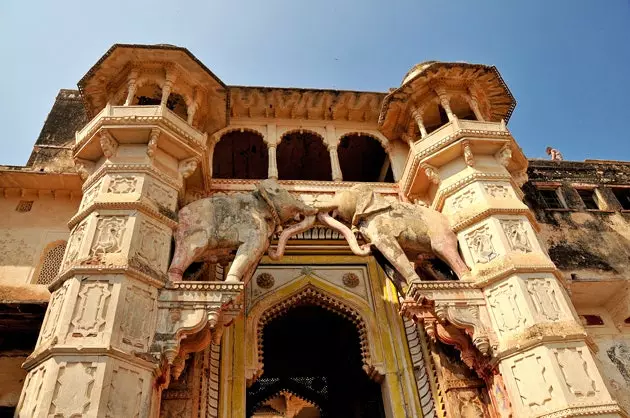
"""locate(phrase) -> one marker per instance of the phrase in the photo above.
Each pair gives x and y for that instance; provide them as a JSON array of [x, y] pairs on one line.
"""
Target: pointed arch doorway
[[313, 368]]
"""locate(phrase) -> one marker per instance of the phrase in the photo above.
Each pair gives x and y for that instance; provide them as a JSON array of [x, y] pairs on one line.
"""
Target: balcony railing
[[130, 115], [455, 129]]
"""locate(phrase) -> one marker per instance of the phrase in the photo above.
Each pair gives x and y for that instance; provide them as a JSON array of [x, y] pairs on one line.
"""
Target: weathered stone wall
[[52, 148], [592, 249], [583, 244], [26, 235]]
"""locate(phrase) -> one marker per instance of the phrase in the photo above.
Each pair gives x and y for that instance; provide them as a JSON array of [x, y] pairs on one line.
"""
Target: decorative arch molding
[[385, 143], [312, 290], [217, 136], [318, 132]]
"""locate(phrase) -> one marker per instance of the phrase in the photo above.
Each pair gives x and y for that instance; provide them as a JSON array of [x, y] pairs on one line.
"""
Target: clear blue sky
[[567, 62]]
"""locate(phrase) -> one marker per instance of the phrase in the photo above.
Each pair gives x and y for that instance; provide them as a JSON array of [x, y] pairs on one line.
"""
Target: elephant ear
[[367, 204]]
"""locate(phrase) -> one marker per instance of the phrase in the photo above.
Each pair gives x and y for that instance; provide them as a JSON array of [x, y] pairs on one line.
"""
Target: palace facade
[[344, 253]]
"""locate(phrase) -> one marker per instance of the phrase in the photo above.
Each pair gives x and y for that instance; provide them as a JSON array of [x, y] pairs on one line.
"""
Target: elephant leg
[[247, 257], [389, 247], [445, 247], [187, 250]]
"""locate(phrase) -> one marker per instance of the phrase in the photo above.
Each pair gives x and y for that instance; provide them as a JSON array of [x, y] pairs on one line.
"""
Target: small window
[[592, 320], [589, 198], [51, 263], [623, 196], [551, 198], [24, 206]]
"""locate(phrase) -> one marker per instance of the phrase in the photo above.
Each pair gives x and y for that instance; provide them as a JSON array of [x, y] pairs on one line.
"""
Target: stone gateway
[[178, 247]]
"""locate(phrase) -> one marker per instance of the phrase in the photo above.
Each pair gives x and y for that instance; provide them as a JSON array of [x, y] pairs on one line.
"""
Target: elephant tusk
[[357, 249], [306, 223]]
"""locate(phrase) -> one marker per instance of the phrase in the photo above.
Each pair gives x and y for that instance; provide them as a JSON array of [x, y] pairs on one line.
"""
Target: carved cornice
[[132, 169], [286, 103], [582, 410], [514, 263], [141, 206], [487, 212], [447, 191]]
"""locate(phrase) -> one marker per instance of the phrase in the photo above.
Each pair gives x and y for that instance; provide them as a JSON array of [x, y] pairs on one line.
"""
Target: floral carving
[[350, 280], [463, 199], [265, 281], [480, 243], [468, 155], [516, 234], [153, 143], [497, 190], [108, 237], [122, 184]]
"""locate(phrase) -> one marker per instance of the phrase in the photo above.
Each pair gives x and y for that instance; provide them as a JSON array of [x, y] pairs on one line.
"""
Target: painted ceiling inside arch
[[217, 103]]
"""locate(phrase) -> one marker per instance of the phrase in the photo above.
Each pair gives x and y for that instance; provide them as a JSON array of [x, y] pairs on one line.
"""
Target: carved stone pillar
[[445, 101], [273, 162], [537, 343], [112, 328], [132, 87], [334, 163], [474, 105], [417, 116]]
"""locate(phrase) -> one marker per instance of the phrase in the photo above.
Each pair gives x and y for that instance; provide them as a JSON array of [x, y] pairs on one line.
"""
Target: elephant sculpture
[[221, 227], [399, 231]]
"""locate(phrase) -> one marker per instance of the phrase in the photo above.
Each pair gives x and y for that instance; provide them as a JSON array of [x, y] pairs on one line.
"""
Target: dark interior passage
[[316, 354]]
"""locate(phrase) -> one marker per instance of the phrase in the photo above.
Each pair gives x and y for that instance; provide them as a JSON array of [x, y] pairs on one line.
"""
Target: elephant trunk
[[305, 224], [357, 249]]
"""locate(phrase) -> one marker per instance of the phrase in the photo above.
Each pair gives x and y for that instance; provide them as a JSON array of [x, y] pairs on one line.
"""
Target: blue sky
[[567, 62]]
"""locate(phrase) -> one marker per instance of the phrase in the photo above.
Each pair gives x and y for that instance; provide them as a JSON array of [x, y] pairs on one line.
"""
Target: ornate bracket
[[191, 315], [108, 144], [466, 317], [188, 166]]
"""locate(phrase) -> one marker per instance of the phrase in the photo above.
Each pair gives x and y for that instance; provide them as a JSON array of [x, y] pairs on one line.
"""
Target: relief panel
[[462, 200], [125, 395], [30, 398], [575, 371], [531, 377], [544, 295], [90, 194], [162, 195], [137, 318], [52, 315], [74, 243], [73, 390], [516, 232], [504, 302], [480, 244], [153, 244], [498, 190], [90, 312], [108, 237], [122, 184]]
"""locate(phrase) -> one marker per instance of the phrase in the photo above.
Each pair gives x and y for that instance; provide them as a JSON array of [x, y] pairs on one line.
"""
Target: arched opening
[[461, 108], [150, 94], [240, 155], [434, 116], [303, 156], [362, 158], [314, 355]]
